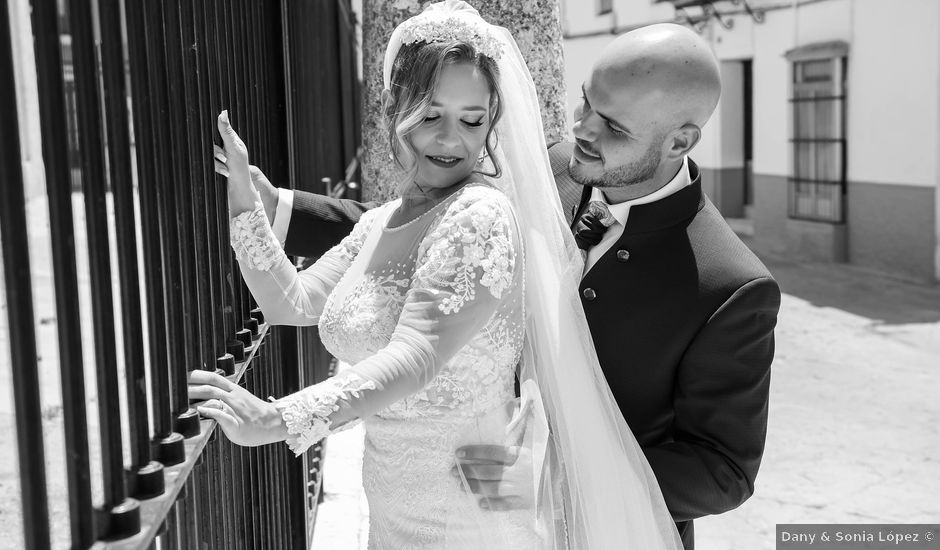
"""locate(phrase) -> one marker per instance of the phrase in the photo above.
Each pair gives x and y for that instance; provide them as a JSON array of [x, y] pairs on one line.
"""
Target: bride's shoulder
[[480, 197]]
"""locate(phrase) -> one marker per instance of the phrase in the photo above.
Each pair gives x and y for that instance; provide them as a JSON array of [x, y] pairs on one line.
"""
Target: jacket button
[[589, 294], [623, 255]]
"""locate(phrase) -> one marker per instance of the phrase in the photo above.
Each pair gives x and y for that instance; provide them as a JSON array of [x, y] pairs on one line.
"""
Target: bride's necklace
[[416, 201]]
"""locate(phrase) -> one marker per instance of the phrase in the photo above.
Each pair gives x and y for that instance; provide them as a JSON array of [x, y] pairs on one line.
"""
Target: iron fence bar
[[230, 91], [288, 82], [192, 504], [194, 160], [258, 19], [253, 124], [169, 243], [218, 89], [180, 479], [123, 513], [147, 475], [181, 184], [19, 297], [217, 216], [53, 129], [206, 481], [168, 444], [204, 123], [273, 478], [235, 103]]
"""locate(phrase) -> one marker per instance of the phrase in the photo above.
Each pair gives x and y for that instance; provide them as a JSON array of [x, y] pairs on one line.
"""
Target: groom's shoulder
[[569, 191], [559, 155]]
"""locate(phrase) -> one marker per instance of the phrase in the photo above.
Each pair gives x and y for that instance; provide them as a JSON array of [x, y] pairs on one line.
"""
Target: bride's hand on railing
[[246, 419], [241, 193]]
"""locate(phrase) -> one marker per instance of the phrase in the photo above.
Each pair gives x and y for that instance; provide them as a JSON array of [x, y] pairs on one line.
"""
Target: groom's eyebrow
[[602, 115]]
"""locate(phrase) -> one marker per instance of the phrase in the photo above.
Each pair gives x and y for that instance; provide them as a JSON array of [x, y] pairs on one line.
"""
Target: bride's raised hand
[[264, 187], [241, 194]]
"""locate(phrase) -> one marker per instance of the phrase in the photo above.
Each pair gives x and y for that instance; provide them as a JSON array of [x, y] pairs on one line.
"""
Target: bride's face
[[451, 137]]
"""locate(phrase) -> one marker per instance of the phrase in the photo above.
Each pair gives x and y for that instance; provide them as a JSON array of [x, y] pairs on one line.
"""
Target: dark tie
[[592, 225]]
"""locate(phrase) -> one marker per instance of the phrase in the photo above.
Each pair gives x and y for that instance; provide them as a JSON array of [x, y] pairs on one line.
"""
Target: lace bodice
[[430, 317]]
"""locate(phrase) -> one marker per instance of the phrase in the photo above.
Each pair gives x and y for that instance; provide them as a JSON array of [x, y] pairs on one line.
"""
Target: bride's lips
[[584, 156], [444, 161]]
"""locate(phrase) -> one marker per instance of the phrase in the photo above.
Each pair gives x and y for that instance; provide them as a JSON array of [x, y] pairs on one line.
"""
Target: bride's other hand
[[500, 475], [241, 194], [246, 419], [262, 184]]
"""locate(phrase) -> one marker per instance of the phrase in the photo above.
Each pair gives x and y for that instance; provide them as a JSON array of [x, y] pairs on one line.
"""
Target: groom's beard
[[638, 171]]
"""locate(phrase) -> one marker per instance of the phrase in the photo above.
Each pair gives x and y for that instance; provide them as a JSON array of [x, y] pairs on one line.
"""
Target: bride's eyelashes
[[471, 124]]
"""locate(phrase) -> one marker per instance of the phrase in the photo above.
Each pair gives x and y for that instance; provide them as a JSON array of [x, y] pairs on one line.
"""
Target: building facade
[[827, 135]]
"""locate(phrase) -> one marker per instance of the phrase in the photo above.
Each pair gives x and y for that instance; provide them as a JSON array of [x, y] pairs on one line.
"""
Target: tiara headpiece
[[446, 21]]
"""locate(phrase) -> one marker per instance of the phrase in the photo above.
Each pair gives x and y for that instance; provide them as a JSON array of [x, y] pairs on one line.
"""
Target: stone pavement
[[854, 427]]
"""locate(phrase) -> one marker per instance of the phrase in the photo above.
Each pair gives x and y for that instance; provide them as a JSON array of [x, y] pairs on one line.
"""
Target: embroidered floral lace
[[429, 315]]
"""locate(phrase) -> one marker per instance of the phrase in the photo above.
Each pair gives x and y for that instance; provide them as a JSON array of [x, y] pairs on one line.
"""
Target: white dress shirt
[[282, 214], [285, 205], [621, 211]]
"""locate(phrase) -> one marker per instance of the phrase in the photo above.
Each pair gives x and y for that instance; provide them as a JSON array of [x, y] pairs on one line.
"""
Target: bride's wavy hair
[[415, 75]]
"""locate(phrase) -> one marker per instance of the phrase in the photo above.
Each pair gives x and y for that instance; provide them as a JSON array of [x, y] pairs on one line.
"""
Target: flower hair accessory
[[449, 29], [448, 21]]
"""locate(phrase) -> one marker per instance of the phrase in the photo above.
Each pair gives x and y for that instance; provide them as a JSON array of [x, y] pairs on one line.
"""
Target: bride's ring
[[214, 404]]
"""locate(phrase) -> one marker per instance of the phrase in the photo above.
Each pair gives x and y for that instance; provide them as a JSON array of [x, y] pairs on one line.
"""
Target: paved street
[[854, 425]]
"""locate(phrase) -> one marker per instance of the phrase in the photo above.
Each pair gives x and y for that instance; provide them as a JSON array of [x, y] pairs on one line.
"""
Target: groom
[[681, 312]]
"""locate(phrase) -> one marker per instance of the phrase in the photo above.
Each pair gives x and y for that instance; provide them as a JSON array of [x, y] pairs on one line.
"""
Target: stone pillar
[[536, 26]]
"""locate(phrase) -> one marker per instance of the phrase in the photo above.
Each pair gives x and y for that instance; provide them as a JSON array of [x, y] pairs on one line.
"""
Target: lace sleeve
[[467, 265], [285, 296]]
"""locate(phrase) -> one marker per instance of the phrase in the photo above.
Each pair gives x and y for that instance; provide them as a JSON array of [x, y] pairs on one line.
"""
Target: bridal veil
[[596, 490]]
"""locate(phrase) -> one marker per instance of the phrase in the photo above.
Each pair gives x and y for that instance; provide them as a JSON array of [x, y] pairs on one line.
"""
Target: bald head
[[645, 102], [667, 68]]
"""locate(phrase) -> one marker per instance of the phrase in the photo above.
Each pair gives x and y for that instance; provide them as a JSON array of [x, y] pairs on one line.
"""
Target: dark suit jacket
[[682, 314]]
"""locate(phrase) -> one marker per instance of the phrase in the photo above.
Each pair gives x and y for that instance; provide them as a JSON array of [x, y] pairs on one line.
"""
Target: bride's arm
[[467, 267], [284, 295]]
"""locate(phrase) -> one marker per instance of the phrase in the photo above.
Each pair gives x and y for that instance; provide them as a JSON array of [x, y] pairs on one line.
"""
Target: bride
[[438, 300]]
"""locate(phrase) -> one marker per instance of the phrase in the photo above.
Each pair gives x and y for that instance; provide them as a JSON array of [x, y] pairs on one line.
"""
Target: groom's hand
[[266, 189], [501, 476]]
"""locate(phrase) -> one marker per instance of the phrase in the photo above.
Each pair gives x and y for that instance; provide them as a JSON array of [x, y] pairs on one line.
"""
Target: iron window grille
[[817, 185]]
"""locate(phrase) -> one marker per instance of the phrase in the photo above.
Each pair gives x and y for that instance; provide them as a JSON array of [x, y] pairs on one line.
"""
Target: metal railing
[[129, 91]]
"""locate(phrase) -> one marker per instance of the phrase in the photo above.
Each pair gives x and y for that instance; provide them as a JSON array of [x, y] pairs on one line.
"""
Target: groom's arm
[[317, 222], [721, 400]]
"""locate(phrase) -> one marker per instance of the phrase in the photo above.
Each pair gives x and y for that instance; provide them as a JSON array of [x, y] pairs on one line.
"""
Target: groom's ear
[[682, 140]]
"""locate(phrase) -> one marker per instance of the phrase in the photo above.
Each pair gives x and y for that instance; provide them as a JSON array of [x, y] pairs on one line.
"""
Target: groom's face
[[617, 145]]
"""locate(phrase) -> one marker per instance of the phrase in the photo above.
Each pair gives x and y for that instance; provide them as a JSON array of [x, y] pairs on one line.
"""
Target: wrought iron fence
[[127, 96]]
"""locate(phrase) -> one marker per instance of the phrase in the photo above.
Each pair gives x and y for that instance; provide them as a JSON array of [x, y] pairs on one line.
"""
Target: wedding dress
[[430, 316], [435, 315]]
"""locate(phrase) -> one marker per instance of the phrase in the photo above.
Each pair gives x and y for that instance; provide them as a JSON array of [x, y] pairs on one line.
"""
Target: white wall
[[771, 88], [722, 144], [894, 81], [580, 17]]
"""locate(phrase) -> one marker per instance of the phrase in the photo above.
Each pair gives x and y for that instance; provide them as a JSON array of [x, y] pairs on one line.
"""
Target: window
[[817, 180]]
